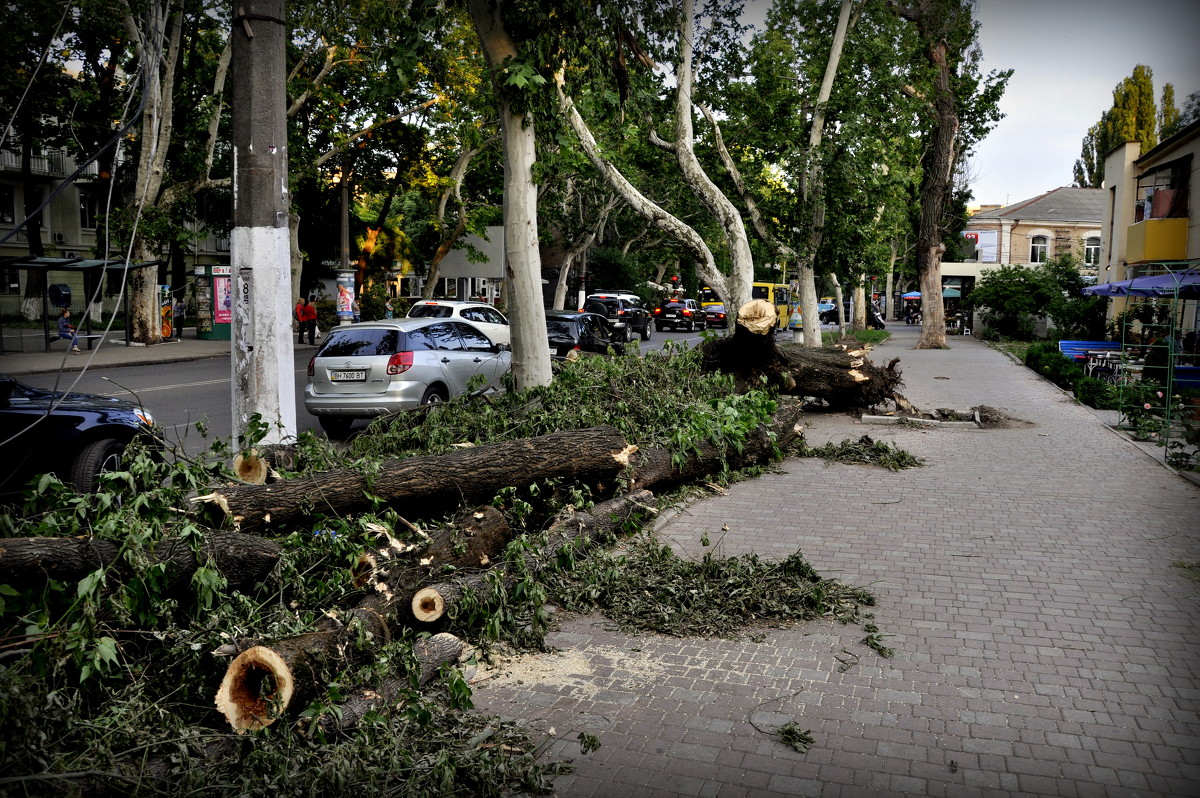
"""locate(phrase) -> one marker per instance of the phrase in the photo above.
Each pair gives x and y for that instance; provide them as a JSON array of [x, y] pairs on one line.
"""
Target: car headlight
[[145, 416]]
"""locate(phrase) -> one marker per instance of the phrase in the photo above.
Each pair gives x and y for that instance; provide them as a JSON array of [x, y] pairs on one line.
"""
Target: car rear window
[[423, 311], [360, 342], [562, 328]]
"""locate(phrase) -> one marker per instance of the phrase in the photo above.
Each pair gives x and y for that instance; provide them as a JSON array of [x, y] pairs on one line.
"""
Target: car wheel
[[95, 459], [646, 332], [335, 426], [434, 394], [691, 326]]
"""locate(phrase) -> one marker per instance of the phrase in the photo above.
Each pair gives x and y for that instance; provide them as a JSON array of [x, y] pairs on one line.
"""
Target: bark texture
[[593, 456], [242, 559], [580, 529]]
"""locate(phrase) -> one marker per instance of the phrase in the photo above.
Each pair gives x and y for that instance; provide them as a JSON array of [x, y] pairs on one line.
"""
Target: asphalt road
[[181, 395]]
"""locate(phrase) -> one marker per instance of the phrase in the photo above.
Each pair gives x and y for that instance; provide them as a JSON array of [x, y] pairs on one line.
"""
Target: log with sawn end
[[581, 529], [593, 456]]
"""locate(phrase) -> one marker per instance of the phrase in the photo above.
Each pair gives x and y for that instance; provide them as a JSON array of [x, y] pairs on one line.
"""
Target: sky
[[1068, 55]]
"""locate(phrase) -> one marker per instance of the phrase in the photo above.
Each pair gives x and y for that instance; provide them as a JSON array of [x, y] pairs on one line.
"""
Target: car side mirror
[[498, 348]]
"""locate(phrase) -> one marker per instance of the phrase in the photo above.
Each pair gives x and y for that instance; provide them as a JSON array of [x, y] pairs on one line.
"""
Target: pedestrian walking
[[388, 310]]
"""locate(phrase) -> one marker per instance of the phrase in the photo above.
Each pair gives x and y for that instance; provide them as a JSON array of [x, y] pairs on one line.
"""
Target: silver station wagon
[[380, 367]]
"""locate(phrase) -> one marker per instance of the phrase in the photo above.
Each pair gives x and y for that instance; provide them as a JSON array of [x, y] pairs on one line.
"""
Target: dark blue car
[[76, 437]]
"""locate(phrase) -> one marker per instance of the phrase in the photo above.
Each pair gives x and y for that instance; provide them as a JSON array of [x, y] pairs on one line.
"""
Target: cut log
[[841, 377], [264, 680], [244, 560], [656, 469], [431, 653], [580, 529], [593, 456], [473, 540]]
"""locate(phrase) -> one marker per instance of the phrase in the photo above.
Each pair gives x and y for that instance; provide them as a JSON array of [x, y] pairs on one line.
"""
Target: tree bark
[[473, 540], [243, 560], [430, 653], [522, 260], [595, 455], [581, 529]]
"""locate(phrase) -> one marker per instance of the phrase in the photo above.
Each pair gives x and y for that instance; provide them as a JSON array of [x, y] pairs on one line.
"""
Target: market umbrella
[[911, 295], [1185, 284]]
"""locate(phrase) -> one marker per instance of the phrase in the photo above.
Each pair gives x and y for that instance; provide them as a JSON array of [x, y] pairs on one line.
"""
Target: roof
[[1066, 204], [45, 264]]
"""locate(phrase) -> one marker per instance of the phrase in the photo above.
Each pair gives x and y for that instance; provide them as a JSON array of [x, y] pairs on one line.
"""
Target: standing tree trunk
[[522, 261], [161, 23], [936, 21]]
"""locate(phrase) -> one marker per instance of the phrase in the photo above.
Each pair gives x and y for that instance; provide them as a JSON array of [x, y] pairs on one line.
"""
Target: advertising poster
[[222, 295], [166, 306], [345, 295], [987, 245]]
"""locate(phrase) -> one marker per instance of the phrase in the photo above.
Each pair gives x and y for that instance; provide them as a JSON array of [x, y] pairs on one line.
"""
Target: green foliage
[[865, 451], [653, 401], [1075, 315], [797, 738], [1132, 117], [646, 586], [1010, 297], [1097, 393], [1045, 358]]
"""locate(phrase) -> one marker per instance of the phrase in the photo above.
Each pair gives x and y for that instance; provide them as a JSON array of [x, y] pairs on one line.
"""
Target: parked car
[[578, 331], [715, 315], [76, 436], [827, 312], [374, 368], [685, 313], [625, 314], [490, 321]]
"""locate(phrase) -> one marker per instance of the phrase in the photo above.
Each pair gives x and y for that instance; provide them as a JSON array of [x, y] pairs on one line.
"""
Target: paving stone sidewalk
[[1045, 641]]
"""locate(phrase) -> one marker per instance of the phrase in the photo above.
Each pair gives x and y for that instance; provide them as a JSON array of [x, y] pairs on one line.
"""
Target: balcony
[[51, 162], [1156, 240]]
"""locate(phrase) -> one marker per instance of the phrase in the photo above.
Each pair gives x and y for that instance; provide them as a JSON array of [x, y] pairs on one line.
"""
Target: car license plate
[[347, 376]]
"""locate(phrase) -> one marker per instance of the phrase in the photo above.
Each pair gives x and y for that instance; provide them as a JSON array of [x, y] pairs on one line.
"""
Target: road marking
[[165, 387]]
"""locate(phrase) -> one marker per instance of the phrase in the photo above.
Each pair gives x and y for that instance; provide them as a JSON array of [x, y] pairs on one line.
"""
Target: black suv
[[685, 313], [582, 332], [625, 314], [77, 438]]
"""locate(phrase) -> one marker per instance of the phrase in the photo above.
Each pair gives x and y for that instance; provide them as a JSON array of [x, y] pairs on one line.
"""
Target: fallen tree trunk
[[580, 529], [473, 540], [842, 378], [594, 456], [430, 653], [656, 469], [243, 560]]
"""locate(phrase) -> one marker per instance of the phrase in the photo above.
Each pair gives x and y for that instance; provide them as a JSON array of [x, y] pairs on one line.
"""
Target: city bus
[[778, 294]]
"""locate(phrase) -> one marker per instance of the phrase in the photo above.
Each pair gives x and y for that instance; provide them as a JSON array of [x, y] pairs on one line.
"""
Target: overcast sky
[[1068, 56]]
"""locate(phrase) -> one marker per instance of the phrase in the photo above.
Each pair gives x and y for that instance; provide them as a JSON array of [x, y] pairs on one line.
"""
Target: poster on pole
[[345, 295], [222, 294]]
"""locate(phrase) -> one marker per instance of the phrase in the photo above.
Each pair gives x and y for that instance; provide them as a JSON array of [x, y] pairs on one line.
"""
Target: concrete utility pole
[[263, 381]]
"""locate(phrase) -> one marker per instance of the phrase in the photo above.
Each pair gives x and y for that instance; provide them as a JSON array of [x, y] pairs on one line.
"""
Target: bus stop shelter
[[91, 270]]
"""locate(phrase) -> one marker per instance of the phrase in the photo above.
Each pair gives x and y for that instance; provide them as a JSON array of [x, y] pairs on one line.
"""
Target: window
[[8, 208], [1091, 251], [1038, 246], [89, 210], [12, 281]]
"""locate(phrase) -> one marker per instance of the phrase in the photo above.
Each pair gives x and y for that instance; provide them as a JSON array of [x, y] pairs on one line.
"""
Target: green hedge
[[1044, 358]]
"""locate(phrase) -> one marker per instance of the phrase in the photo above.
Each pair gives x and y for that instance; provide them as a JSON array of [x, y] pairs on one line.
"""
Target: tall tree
[[961, 108], [1168, 115], [1132, 117], [522, 263]]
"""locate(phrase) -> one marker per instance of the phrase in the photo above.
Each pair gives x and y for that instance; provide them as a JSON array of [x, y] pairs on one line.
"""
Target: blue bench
[[1078, 350], [1187, 376]]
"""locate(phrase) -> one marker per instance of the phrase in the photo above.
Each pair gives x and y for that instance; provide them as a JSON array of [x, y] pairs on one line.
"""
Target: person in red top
[[306, 314]]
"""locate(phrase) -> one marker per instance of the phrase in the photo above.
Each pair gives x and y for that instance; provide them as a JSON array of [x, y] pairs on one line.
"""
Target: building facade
[[1064, 221]]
